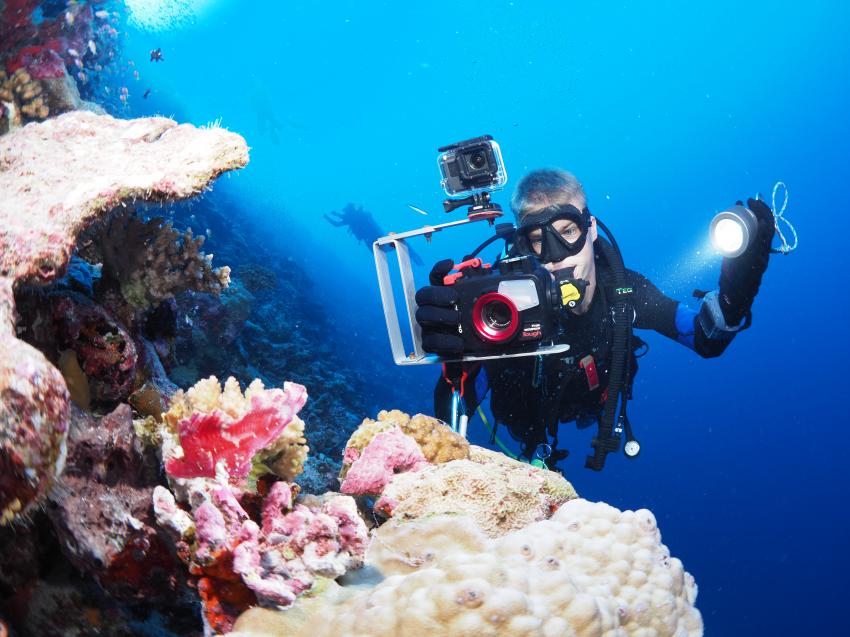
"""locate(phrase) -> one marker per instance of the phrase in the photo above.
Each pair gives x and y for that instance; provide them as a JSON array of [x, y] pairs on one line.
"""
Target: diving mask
[[542, 237]]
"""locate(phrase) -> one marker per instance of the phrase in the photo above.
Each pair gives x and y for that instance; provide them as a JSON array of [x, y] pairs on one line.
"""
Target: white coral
[[589, 571]]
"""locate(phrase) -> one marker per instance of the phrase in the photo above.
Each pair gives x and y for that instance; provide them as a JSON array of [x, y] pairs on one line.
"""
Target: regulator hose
[[605, 440]]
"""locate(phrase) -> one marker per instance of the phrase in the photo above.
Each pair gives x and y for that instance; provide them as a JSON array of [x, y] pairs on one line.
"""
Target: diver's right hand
[[438, 315]]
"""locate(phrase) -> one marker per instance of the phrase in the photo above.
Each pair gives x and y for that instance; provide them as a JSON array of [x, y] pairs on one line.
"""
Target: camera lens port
[[495, 317], [477, 160]]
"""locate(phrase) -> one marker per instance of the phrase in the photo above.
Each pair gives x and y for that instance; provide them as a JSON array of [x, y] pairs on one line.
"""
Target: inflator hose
[[605, 440]]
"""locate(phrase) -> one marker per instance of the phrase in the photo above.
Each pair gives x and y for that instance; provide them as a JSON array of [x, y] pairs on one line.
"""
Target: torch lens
[[728, 236]]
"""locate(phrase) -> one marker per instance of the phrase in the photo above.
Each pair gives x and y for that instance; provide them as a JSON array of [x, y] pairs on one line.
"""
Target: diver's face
[[583, 261]]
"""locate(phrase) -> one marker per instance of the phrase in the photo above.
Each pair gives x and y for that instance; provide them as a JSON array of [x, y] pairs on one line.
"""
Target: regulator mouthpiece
[[732, 231]]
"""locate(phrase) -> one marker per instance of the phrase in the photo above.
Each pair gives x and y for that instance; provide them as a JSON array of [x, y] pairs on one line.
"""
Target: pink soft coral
[[210, 439]]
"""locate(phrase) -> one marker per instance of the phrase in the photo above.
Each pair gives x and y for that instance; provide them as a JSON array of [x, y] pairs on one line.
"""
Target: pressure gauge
[[631, 448]]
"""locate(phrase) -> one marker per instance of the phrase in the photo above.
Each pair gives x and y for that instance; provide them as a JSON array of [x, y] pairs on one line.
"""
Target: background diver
[[363, 226], [531, 395]]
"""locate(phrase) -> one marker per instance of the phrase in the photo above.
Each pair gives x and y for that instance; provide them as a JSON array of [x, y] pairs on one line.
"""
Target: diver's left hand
[[740, 277]]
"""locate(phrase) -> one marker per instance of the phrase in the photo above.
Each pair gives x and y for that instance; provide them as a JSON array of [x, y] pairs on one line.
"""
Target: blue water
[[667, 112]]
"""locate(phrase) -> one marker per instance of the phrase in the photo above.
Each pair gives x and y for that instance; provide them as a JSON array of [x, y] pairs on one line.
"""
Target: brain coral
[[500, 493], [589, 571]]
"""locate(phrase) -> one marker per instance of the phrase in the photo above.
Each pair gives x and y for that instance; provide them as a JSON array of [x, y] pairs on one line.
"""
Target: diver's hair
[[545, 187]]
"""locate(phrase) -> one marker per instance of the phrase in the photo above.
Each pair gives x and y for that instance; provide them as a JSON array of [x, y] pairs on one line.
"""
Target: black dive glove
[[740, 277], [437, 315]]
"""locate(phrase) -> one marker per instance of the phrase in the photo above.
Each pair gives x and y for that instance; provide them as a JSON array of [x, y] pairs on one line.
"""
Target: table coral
[[56, 178]]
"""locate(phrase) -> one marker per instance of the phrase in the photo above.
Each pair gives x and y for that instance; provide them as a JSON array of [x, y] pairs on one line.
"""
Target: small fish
[[69, 18], [188, 320], [145, 96], [92, 47], [208, 233], [123, 98], [136, 74], [81, 76], [73, 53], [415, 209], [101, 14], [124, 90]]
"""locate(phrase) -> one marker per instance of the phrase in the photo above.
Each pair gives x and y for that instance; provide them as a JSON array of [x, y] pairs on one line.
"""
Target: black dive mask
[[549, 245]]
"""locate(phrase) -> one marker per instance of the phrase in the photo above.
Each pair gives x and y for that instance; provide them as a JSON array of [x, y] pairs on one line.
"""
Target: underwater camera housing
[[512, 308], [470, 171], [471, 166]]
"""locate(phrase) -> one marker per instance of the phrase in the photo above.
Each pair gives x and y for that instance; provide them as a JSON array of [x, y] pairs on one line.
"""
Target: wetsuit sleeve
[[654, 310]]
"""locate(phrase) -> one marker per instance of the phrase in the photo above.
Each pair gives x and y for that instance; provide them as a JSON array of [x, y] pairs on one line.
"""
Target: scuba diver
[[532, 395], [363, 226]]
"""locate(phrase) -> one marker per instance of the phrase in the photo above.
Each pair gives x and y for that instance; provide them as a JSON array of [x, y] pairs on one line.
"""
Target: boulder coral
[[56, 178], [589, 571]]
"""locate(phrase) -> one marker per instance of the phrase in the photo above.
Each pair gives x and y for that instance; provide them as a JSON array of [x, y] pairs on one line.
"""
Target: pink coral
[[277, 561], [388, 453], [212, 439], [297, 543]]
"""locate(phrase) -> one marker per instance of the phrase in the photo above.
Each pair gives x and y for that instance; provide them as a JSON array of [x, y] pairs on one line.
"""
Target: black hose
[[605, 440]]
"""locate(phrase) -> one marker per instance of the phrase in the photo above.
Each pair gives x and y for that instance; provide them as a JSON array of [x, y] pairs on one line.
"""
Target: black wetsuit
[[532, 394]]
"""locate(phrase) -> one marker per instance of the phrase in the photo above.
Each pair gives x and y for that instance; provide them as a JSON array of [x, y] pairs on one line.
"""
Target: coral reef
[[590, 570], [115, 540], [437, 442], [240, 561], [55, 40], [21, 100], [43, 208], [150, 261], [221, 431], [257, 278], [387, 454], [501, 494]]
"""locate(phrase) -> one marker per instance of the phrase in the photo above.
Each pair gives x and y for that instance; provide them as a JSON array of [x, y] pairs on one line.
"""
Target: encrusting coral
[[437, 442], [386, 462], [56, 178]]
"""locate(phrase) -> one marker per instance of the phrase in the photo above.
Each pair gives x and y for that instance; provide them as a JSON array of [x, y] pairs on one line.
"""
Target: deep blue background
[[667, 113]]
